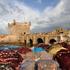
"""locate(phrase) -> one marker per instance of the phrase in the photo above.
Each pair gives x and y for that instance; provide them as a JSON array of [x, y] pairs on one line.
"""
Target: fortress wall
[[20, 34]]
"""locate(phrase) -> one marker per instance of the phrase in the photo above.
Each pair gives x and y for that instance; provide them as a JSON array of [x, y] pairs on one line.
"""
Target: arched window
[[39, 40], [30, 42], [52, 41]]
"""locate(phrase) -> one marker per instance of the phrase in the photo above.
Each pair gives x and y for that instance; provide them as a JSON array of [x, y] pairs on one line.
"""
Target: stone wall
[[20, 34], [19, 28]]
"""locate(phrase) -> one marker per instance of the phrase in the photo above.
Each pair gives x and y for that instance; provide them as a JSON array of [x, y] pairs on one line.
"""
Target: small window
[[61, 32], [24, 32]]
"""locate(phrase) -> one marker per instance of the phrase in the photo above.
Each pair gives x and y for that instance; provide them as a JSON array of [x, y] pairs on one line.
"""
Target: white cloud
[[53, 17], [54, 11], [10, 10], [50, 17]]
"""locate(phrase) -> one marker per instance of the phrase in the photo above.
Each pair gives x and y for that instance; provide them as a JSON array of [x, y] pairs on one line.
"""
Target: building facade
[[20, 34]]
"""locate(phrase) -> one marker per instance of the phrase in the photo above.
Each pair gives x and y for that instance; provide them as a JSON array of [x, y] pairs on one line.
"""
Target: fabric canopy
[[38, 49]]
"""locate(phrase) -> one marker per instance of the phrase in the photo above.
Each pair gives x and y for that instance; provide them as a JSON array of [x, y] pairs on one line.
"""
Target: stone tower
[[19, 28]]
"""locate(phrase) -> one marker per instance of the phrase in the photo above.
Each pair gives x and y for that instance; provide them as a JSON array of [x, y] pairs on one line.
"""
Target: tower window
[[24, 32]]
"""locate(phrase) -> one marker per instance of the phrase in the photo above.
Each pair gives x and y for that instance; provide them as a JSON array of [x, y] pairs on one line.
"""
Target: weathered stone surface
[[20, 35]]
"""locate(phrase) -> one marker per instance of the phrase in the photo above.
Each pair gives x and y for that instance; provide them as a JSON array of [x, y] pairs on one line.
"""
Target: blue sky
[[44, 15], [40, 4]]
